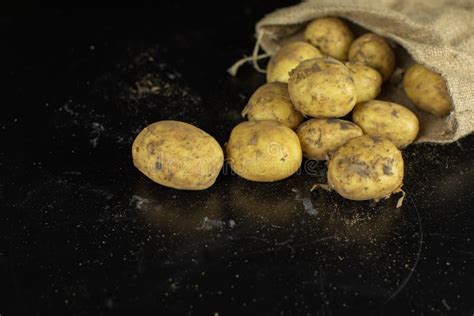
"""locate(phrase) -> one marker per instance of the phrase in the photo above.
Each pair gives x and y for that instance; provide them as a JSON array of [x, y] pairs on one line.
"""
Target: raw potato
[[427, 90], [366, 168], [373, 51], [331, 35], [386, 119], [272, 102], [178, 155], [320, 137], [287, 58], [322, 87], [263, 151], [367, 81]]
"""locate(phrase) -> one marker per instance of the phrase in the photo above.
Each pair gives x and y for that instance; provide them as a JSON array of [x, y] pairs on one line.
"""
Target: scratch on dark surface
[[418, 254]]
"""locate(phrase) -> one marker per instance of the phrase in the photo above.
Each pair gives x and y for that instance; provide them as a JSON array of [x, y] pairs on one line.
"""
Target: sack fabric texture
[[436, 33]]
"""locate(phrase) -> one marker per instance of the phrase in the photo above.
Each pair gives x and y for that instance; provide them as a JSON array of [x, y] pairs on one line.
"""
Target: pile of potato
[[329, 78]]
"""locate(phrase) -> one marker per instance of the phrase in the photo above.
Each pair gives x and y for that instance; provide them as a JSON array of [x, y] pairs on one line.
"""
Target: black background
[[83, 232]]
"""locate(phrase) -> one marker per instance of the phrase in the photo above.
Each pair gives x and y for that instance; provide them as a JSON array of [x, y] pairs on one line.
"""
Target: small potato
[[272, 102], [178, 155], [287, 58], [322, 87], [331, 35], [320, 137], [427, 90], [386, 119], [263, 151], [366, 168], [367, 81], [373, 51]]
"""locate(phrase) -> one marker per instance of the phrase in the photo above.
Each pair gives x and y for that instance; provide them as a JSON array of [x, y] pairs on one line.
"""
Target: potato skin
[[331, 36], [272, 102], [386, 119], [320, 137], [427, 90], [373, 51], [287, 58], [322, 87], [367, 81], [263, 151], [366, 168], [178, 155]]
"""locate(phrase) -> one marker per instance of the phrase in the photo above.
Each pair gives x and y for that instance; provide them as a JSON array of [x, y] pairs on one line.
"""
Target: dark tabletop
[[83, 232]]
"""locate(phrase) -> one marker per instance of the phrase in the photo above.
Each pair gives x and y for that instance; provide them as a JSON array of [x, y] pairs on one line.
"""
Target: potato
[[272, 102], [331, 35], [322, 87], [373, 51], [367, 81], [365, 168], [386, 119], [427, 90], [287, 58], [321, 137], [178, 155], [263, 151]]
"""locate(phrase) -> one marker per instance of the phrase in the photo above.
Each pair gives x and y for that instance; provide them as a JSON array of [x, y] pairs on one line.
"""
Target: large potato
[[367, 81], [272, 102], [287, 58], [386, 119], [322, 87], [178, 155], [320, 137], [263, 151], [331, 35], [366, 168], [427, 90], [372, 50]]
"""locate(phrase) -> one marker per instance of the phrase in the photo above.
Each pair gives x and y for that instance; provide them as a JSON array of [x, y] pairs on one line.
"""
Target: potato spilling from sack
[[272, 102], [427, 90], [388, 120], [178, 155], [263, 151], [320, 137], [287, 58], [366, 168], [322, 87], [331, 36]]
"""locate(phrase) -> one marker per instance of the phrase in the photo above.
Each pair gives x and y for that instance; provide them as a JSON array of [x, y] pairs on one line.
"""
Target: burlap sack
[[436, 33]]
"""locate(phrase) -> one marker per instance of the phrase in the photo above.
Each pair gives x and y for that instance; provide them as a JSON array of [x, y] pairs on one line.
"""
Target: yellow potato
[[367, 81], [320, 137], [331, 35], [263, 151], [366, 168], [287, 58], [373, 51], [322, 87], [386, 119], [427, 90], [272, 102], [178, 155]]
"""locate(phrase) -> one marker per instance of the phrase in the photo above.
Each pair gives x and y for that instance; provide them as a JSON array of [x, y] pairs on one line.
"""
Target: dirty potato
[[178, 155], [272, 102], [331, 36], [427, 90], [386, 119], [287, 58], [322, 87], [373, 51], [366, 168], [320, 137], [263, 151], [367, 81]]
